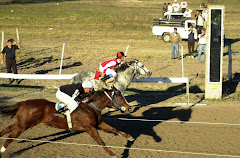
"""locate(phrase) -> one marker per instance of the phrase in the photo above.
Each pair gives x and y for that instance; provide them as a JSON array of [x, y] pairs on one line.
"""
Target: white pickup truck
[[163, 27]]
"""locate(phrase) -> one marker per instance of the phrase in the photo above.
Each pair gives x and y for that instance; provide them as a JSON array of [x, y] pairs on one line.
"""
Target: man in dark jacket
[[71, 95], [9, 50]]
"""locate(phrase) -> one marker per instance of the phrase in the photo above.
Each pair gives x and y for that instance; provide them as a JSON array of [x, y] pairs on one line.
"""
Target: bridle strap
[[95, 106], [112, 102]]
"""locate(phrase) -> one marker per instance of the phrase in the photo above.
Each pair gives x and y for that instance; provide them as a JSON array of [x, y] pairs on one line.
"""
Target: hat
[[87, 84], [175, 28], [175, 0], [120, 54]]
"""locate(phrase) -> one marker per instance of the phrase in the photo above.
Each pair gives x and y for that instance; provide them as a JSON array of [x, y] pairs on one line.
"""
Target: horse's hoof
[[115, 156], [131, 139]]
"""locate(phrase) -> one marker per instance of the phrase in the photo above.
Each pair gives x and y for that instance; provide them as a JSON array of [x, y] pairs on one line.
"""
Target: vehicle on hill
[[163, 27]]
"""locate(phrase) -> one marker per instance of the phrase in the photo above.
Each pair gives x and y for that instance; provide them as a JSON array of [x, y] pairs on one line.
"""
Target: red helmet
[[120, 54]]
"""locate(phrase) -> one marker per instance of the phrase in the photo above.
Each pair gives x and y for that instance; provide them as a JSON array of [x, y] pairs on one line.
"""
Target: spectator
[[188, 13], [10, 57], [175, 6], [204, 13], [176, 39], [202, 44], [165, 8], [200, 21], [183, 6], [169, 9], [191, 41]]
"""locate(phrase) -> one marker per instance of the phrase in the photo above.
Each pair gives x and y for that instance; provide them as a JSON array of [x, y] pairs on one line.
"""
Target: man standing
[[202, 44], [175, 6], [183, 6], [191, 41], [200, 21], [165, 9], [188, 13], [175, 38], [9, 50]]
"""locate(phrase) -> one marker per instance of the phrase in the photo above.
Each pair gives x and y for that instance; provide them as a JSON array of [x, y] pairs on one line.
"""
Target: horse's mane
[[124, 66]]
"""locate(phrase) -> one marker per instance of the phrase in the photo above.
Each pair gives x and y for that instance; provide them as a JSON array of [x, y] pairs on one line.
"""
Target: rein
[[112, 102]]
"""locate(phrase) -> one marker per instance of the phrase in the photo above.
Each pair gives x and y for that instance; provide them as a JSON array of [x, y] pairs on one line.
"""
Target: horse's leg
[[15, 133], [95, 135], [105, 127], [8, 129]]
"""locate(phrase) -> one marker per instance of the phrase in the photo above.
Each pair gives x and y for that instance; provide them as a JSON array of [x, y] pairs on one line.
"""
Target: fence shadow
[[137, 128], [60, 136]]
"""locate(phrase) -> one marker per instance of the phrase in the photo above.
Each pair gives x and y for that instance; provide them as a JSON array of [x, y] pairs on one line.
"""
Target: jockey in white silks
[[72, 95], [106, 67]]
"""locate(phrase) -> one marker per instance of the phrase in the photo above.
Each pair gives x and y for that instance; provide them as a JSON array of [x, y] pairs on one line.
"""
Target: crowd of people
[[200, 17]]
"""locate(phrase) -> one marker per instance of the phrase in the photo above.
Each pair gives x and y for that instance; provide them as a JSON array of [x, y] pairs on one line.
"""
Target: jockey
[[106, 67], [71, 95]]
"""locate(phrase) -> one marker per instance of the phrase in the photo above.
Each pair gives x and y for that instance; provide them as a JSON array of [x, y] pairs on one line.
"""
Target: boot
[[61, 112]]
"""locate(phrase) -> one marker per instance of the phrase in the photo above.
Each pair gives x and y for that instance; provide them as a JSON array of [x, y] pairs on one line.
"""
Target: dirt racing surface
[[93, 32]]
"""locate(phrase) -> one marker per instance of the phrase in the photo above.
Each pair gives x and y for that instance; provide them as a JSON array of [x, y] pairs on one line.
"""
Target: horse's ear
[[136, 60], [114, 88]]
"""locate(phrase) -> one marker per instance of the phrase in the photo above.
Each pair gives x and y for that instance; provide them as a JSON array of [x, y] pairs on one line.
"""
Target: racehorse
[[125, 74], [87, 117]]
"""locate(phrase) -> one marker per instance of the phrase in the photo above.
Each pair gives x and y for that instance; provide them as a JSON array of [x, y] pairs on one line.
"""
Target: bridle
[[136, 67], [112, 101]]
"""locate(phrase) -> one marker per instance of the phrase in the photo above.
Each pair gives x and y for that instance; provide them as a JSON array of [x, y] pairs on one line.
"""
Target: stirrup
[[60, 114]]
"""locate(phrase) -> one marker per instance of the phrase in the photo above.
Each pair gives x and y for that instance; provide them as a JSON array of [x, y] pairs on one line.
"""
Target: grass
[[95, 31]]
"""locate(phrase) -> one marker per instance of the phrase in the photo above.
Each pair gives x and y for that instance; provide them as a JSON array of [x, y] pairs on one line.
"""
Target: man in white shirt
[[183, 6], [202, 45], [200, 21], [175, 6], [187, 13], [169, 9]]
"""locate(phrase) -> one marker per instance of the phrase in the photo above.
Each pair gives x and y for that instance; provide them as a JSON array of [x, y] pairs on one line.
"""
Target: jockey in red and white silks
[[106, 67]]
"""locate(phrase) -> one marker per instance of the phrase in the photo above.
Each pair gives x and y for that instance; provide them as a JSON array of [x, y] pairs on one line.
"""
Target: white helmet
[[87, 84]]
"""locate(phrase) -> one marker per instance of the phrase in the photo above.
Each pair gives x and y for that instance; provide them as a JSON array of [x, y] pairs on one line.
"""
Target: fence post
[[17, 32], [2, 41], [229, 63]]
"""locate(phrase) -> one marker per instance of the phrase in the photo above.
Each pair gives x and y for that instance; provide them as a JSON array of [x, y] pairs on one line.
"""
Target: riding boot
[[61, 112]]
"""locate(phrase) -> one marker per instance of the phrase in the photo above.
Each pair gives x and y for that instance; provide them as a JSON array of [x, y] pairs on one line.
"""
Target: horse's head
[[119, 101], [141, 69]]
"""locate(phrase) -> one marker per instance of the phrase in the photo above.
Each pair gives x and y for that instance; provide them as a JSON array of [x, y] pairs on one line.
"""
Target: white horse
[[125, 74]]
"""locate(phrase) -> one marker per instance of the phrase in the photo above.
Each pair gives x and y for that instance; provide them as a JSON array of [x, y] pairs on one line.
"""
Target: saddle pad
[[59, 105]]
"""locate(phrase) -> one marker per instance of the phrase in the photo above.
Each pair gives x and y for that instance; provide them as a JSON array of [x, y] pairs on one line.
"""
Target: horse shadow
[[137, 128], [59, 136], [145, 98]]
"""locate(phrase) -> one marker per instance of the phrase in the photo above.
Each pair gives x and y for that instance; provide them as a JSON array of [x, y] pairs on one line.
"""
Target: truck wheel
[[166, 37]]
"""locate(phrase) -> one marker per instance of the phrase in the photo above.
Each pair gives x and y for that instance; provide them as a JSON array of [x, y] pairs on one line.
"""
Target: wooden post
[[2, 41], [187, 91], [62, 59], [17, 32], [229, 63]]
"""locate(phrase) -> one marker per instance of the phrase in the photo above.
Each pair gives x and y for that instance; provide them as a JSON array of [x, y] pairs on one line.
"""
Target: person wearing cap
[[183, 6], [176, 39], [9, 50], [175, 6], [106, 67], [72, 95]]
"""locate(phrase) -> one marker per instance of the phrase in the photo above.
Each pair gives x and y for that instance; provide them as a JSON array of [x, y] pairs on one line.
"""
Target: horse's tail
[[11, 110]]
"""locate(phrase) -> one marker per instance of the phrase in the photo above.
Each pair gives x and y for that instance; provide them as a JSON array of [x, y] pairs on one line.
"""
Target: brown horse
[[87, 117]]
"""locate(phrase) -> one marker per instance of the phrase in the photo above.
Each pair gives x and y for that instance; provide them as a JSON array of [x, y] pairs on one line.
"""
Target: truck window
[[176, 16]]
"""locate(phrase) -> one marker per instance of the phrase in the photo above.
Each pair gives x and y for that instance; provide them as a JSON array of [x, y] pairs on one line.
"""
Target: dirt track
[[168, 136]]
